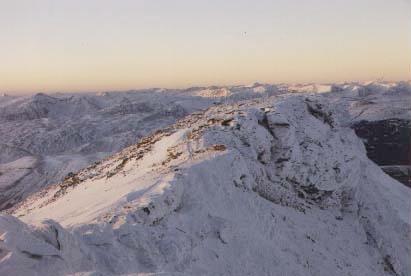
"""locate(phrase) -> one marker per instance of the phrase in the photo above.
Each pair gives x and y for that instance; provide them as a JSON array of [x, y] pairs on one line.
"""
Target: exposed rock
[[400, 173], [388, 144]]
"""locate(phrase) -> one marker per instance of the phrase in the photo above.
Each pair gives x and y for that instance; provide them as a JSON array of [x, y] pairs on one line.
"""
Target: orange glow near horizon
[[104, 45]]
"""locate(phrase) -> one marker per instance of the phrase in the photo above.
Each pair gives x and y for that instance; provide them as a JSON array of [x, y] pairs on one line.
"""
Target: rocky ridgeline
[[274, 186], [62, 133]]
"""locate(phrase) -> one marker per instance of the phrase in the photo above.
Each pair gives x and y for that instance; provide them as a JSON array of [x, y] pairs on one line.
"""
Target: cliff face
[[388, 144], [274, 186], [387, 141]]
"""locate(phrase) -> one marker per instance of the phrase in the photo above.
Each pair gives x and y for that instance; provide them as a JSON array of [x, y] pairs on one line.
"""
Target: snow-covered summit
[[273, 186]]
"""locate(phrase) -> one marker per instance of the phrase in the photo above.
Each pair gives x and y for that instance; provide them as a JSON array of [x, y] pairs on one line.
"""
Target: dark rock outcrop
[[388, 144]]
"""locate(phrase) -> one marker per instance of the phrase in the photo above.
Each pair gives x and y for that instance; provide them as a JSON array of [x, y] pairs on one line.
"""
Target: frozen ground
[[275, 185]]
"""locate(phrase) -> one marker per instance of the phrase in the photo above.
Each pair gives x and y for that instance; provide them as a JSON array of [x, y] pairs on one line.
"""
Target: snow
[[374, 101], [68, 132], [103, 194], [277, 185], [14, 171]]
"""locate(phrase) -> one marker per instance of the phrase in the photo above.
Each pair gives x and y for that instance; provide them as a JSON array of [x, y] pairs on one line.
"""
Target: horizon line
[[182, 88]]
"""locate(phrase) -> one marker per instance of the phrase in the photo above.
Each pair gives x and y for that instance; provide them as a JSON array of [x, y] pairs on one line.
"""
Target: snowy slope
[[373, 101], [66, 132], [380, 113], [62, 133], [272, 186]]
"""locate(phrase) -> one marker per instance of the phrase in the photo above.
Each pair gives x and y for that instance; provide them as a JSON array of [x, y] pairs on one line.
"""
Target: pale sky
[[94, 45]]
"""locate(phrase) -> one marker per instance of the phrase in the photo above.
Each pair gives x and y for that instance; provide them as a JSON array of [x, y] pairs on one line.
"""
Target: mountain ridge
[[265, 186]]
